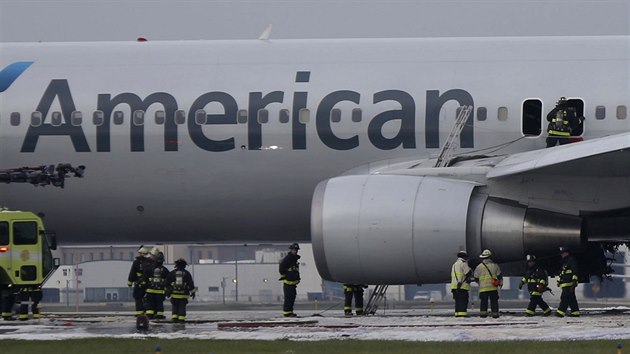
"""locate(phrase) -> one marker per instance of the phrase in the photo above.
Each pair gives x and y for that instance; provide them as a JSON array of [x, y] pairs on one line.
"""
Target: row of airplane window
[[201, 116]]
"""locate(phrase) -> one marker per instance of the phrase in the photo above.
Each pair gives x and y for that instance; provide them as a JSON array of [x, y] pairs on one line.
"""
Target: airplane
[[332, 141]]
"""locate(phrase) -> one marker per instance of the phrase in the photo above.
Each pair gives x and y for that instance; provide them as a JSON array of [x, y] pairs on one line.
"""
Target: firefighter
[[536, 279], [179, 287], [460, 283], [488, 275], [356, 291], [10, 297], [155, 278], [560, 119], [135, 278], [568, 281], [34, 294], [290, 277]]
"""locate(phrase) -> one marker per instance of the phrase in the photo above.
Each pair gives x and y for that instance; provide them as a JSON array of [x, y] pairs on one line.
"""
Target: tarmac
[[430, 323]]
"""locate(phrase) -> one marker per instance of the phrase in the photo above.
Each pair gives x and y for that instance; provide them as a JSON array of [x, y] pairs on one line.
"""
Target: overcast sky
[[85, 20]]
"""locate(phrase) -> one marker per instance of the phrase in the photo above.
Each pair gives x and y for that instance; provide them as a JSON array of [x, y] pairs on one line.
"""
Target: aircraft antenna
[[446, 154], [266, 34]]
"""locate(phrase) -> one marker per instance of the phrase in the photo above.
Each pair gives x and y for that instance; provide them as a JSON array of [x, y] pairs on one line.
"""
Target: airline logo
[[11, 73], [106, 104]]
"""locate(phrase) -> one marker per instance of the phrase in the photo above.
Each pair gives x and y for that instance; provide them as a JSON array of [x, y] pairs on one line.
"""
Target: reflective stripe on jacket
[[485, 272], [290, 269], [569, 273], [536, 280], [460, 271]]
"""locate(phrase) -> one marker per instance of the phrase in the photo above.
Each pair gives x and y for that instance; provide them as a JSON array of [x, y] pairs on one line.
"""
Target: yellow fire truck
[[26, 258]]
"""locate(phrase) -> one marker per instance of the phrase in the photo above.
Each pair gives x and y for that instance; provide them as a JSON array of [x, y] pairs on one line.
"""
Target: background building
[[233, 273]]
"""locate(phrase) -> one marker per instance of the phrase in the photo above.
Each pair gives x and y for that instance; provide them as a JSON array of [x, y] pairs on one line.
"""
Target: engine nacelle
[[392, 229]]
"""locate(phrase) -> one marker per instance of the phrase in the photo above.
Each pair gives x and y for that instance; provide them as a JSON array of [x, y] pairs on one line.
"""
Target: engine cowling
[[393, 229]]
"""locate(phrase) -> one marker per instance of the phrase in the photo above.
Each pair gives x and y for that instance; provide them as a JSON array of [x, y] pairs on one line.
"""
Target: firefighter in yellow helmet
[[488, 275], [460, 283]]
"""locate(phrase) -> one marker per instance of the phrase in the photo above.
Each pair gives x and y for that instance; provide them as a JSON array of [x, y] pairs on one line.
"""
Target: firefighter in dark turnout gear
[[155, 278], [568, 281], [560, 119], [11, 295], [135, 278], [460, 283], [179, 287], [290, 277], [488, 275], [356, 291], [34, 294], [537, 280]]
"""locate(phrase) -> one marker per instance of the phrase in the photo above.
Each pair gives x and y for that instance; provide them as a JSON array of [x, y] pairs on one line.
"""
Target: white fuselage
[[218, 178]]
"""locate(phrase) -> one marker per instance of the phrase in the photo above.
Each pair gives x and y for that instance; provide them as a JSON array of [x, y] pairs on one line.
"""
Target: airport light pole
[[223, 287], [236, 273]]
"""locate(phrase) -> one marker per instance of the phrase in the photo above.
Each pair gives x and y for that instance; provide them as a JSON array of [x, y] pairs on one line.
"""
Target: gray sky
[[84, 20]]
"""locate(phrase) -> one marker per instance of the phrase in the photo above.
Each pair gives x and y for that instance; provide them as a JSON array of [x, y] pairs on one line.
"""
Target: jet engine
[[395, 229]]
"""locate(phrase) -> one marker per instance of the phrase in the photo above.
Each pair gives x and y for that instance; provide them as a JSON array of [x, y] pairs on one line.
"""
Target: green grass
[[187, 346]]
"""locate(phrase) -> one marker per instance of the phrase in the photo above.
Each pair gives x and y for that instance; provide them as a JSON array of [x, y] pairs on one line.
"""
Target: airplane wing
[[604, 157]]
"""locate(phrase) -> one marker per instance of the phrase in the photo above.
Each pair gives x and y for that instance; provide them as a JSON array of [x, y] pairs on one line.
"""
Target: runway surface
[[412, 325]]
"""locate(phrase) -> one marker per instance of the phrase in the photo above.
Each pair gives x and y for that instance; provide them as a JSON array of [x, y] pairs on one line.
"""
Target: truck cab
[[26, 257]]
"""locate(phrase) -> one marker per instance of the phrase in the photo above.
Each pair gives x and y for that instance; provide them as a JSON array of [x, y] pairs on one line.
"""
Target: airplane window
[[482, 113], [600, 112], [242, 116], [77, 118], [335, 115], [138, 118], [160, 117], [98, 118], [284, 116], [15, 119], [119, 117], [263, 116], [356, 115], [200, 117], [502, 113], [532, 117], [56, 119], [180, 117], [621, 112], [36, 119], [305, 115]]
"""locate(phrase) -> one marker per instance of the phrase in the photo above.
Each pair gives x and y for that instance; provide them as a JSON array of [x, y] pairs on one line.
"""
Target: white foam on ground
[[409, 325]]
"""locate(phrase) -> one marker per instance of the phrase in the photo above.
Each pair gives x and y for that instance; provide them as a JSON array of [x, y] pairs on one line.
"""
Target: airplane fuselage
[[221, 141]]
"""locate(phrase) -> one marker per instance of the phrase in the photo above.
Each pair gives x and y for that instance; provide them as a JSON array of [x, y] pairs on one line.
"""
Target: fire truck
[[26, 257]]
